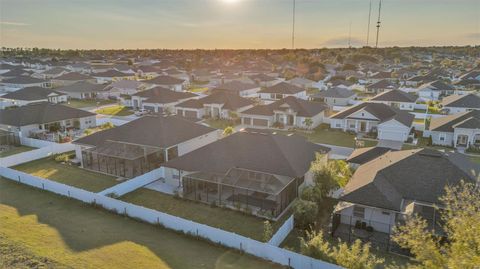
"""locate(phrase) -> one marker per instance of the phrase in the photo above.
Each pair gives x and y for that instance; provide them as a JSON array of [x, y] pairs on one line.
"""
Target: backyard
[[67, 174], [82, 103], [14, 150], [57, 232], [225, 219], [116, 110]]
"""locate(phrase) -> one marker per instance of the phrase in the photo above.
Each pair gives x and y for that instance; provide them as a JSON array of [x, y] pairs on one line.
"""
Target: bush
[[228, 131], [62, 157], [305, 213], [278, 125], [107, 125], [267, 231]]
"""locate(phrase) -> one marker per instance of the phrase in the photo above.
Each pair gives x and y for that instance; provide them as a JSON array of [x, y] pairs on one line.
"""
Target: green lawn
[[225, 219], [475, 159], [115, 111], [419, 121], [43, 230], [67, 174], [77, 103], [15, 150], [334, 137], [198, 89], [219, 123]]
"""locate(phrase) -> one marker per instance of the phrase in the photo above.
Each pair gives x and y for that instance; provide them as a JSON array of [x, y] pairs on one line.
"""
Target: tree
[[267, 231], [228, 131], [461, 224], [308, 122], [305, 213], [355, 256]]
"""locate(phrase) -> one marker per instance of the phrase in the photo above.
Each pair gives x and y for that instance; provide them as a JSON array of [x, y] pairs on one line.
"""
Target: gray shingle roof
[[30, 94], [164, 80], [420, 175], [155, 131], [447, 123], [73, 76], [364, 155], [163, 96], [466, 101], [40, 113], [395, 96], [283, 88], [335, 92], [229, 100], [235, 86], [23, 80], [81, 86], [302, 107], [269, 153], [381, 111]]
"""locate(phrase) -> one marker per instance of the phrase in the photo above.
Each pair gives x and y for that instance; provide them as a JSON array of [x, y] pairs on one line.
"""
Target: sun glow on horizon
[[230, 1]]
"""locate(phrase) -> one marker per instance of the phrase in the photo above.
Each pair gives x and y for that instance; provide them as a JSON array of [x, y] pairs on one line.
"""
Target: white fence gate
[[232, 240], [282, 232]]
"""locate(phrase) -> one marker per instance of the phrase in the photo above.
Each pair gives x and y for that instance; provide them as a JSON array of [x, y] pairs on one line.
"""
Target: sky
[[234, 24]]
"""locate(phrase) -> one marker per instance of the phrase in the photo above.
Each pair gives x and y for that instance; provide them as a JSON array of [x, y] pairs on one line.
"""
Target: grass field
[[43, 230], [115, 111], [67, 174], [15, 150], [77, 103], [225, 219], [475, 159]]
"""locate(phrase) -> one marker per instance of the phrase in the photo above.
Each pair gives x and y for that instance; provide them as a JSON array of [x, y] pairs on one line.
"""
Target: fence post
[[43, 186], [158, 220], [68, 193], [125, 211], [19, 179]]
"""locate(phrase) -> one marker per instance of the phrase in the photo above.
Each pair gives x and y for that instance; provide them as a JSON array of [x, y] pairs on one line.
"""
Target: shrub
[[107, 125], [305, 213], [267, 231], [62, 157], [228, 131]]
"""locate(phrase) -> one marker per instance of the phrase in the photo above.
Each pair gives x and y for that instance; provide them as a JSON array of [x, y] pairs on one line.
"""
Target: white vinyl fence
[[36, 143], [282, 232], [36, 154], [135, 183], [232, 240]]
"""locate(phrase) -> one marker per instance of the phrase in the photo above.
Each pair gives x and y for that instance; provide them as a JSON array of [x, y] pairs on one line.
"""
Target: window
[[442, 137], [359, 212], [386, 213], [338, 125]]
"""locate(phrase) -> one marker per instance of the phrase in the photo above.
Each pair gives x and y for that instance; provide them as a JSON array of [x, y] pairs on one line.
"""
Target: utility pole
[[368, 26], [378, 21], [350, 35], [293, 26]]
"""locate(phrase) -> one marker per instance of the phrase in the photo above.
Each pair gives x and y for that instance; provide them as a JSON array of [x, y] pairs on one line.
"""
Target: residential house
[[461, 130], [454, 104], [16, 83], [386, 190], [216, 105], [30, 95], [388, 122], [380, 86], [240, 88], [287, 112], [169, 82], [362, 156], [141, 145], [122, 89], [396, 98], [435, 90], [82, 90], [71, 78], [52, 73], [303, 82], [46, 120], [263, 172], [282, 90], [263, 80], [335, 96], [112, 75], [160, 100]]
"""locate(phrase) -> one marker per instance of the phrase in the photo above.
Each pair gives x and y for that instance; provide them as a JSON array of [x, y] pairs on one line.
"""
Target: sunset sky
[[234, 24]]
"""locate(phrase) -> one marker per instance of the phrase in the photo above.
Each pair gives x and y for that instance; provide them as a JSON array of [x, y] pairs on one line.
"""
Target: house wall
[[456, 110], [197, 142], [471, 133], [393, 130], [337, 101], [382, 220], [317, 120], [437, 138]]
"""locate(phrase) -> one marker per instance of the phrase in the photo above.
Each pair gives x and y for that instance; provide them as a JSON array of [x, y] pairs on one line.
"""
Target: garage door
[[190, 114], [260, 122], [149, 108], [247, 121], [180, 112], [391, 135]]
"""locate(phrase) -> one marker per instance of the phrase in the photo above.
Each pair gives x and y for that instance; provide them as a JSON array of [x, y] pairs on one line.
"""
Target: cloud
[[343, 42], [11, 23]]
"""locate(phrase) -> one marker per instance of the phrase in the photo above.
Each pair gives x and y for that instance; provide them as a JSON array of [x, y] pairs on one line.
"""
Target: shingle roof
[[163, 96], [395, 96], [382, 84], [164, 80], [335, 92], [262, 78], [40, 113], [269, 153], [235, 86], [283, 88], [466, 101], [364, 155], [110, 74], [447, 123], [82, 86], [73, 76], [23, 80], [30, 94], [437, 85], [303, 108], [420, 175], [381, 111], [155, 131], [229, 100], [192, 103]]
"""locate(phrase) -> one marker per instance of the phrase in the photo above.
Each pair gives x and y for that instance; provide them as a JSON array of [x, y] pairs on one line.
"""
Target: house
[[335, 96], [240, 88], [454, 104], [287, 112], [141, 145], [282, 90], [435, 90], [159, 100], [260, 171], [71, 78], [303, 82], [112, 75], [264, 80], [461, 130], [15, 72], [169, 82], [380, 86], [16, 83], [398, 184], [82, 90], [216, 105], [397, 99], [378, 76], [46, 120], [122, 89], [363, 155], [30, 95], [52, 73], [148, 71], [388, 122]]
